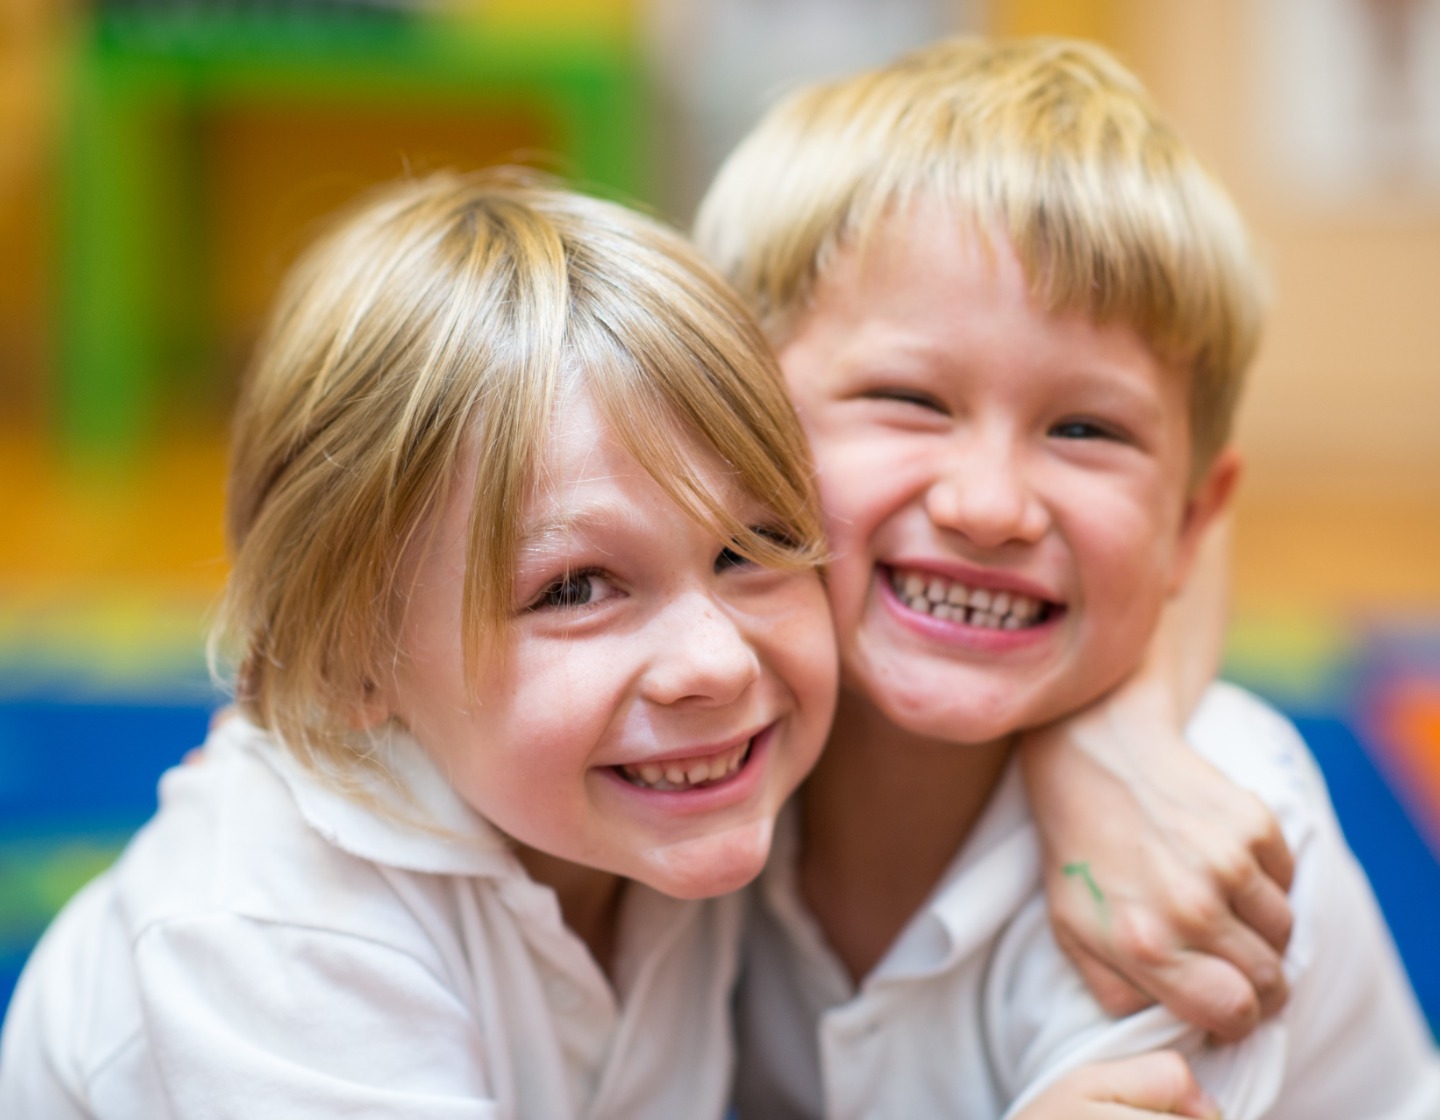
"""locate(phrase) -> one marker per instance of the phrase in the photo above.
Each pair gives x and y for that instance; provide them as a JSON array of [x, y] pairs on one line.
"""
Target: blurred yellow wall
[[1343, 495], [1346, 393]]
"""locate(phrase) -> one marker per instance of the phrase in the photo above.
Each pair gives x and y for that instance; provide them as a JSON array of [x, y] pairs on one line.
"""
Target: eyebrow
[[557, 529]]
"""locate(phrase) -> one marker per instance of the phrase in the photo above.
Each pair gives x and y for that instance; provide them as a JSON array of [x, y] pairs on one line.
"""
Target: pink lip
[[978, 638], [738, 788], [690, 754]]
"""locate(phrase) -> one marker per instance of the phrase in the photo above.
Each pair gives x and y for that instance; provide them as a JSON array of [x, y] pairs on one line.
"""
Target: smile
[[974, 606], [699, 772]]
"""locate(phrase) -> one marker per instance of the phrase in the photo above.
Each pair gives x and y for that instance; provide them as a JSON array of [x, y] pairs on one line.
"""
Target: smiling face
[[1005, 490], [660, 696]]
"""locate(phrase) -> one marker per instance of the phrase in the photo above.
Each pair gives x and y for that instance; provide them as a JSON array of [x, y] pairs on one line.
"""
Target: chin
[[972, 723], [709, 866]]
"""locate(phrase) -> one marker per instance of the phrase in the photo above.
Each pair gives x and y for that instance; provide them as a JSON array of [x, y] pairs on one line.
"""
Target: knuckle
[[1196, 908], [1256, 821], [1236, 870], [1233, 1009], [1141, 940]]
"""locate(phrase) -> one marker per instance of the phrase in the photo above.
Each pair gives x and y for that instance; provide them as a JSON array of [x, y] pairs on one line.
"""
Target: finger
[[1208, 992], [1158, 1082], [1256, 960], [1274, 854], [1206, 965], [1115, 994], [1263, 906]]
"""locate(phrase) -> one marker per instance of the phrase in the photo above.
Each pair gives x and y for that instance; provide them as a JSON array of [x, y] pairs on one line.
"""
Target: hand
[[1159, 1084], [1165, 881]]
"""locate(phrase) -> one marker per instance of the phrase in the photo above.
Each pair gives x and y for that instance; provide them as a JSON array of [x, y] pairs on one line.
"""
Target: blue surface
[[76, 778], [1401, 867], [78, 775]]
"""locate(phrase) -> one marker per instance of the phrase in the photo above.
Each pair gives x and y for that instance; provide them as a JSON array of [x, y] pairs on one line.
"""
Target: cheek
[[1126, 554], [813, 656]]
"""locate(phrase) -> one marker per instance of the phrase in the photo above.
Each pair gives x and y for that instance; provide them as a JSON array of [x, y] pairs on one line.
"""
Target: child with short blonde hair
[[1014, 314], [531, 646]]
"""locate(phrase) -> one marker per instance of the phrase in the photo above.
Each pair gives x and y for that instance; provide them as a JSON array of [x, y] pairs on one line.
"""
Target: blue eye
[[574, 589], [1080, 429]]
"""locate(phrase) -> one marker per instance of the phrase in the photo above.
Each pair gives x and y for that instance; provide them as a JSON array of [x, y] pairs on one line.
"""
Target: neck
[[882, 817], [589, 900]]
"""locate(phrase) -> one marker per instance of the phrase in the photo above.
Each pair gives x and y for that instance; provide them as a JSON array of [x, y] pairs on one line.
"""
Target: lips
[[981, 607], [698, 772]]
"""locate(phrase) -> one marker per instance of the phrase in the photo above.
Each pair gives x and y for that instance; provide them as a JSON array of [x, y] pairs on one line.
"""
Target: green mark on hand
[[1081, 871]]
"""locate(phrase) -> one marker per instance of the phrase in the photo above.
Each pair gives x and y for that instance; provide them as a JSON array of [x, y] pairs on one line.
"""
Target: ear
[[1208, 500]]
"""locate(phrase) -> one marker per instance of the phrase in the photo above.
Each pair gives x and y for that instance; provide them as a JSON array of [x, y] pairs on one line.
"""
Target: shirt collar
[[401, 813], [994, 873]]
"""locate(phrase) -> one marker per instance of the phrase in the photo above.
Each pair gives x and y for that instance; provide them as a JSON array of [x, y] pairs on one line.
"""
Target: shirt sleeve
[[249, 1018], [1350, 1041]]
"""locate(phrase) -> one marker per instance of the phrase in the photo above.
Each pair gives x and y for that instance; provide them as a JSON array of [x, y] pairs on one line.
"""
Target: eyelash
[[550, 597], [561, 594], [733, 558], [906, 396], [1092, 430]]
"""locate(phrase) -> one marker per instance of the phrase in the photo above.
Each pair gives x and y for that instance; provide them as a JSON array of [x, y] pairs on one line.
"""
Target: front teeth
[[686, 775], [954, 602]]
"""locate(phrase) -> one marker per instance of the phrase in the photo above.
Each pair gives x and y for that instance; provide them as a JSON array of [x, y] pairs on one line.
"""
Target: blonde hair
[[442, 321], [1048, 143]]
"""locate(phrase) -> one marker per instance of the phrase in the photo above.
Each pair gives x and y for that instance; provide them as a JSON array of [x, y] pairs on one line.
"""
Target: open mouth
[[974, 606], [682, 774]]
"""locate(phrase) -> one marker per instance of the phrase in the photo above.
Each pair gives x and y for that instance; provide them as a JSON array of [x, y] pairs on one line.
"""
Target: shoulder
[[247, 845], [1260, 750]]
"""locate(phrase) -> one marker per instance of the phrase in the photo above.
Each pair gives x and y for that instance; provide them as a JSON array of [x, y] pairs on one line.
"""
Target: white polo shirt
[[268, 948], [974, 1009]]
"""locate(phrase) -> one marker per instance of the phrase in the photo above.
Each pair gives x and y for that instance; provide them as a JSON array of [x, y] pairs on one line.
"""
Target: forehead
[[929, 295], [588, 470]]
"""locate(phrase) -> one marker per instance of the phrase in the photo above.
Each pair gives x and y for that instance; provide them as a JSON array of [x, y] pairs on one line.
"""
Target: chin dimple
[[953, 601], [688, 773]]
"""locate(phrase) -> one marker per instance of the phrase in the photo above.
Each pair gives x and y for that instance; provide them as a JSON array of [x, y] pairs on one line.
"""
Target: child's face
[[661, 697], [1028, 470]]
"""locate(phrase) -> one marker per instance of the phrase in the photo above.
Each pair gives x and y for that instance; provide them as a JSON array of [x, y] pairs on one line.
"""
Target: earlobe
[[1208, 501]]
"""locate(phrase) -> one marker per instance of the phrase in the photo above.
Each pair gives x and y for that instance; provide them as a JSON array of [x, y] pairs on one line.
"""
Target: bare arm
[[1165, 881]]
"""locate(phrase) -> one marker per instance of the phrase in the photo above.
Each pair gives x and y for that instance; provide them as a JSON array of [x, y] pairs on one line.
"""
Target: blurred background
[[161, 161]]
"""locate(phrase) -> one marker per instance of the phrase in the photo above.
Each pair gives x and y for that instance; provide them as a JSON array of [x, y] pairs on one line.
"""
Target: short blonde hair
[[1049, 143], [440, 322]]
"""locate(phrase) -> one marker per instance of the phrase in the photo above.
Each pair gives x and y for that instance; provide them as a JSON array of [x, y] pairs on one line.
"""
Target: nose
[[706, 657], [983, 491]]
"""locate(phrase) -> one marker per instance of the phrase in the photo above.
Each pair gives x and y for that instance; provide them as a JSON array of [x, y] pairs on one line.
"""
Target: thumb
[[1158, 1082]]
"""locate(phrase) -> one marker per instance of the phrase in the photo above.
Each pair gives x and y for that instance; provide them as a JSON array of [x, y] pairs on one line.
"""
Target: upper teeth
[[688, 772], [979, 606]]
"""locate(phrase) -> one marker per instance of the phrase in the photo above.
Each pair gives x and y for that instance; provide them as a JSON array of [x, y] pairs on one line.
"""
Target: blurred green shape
[[38, 876], [142, 75]]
